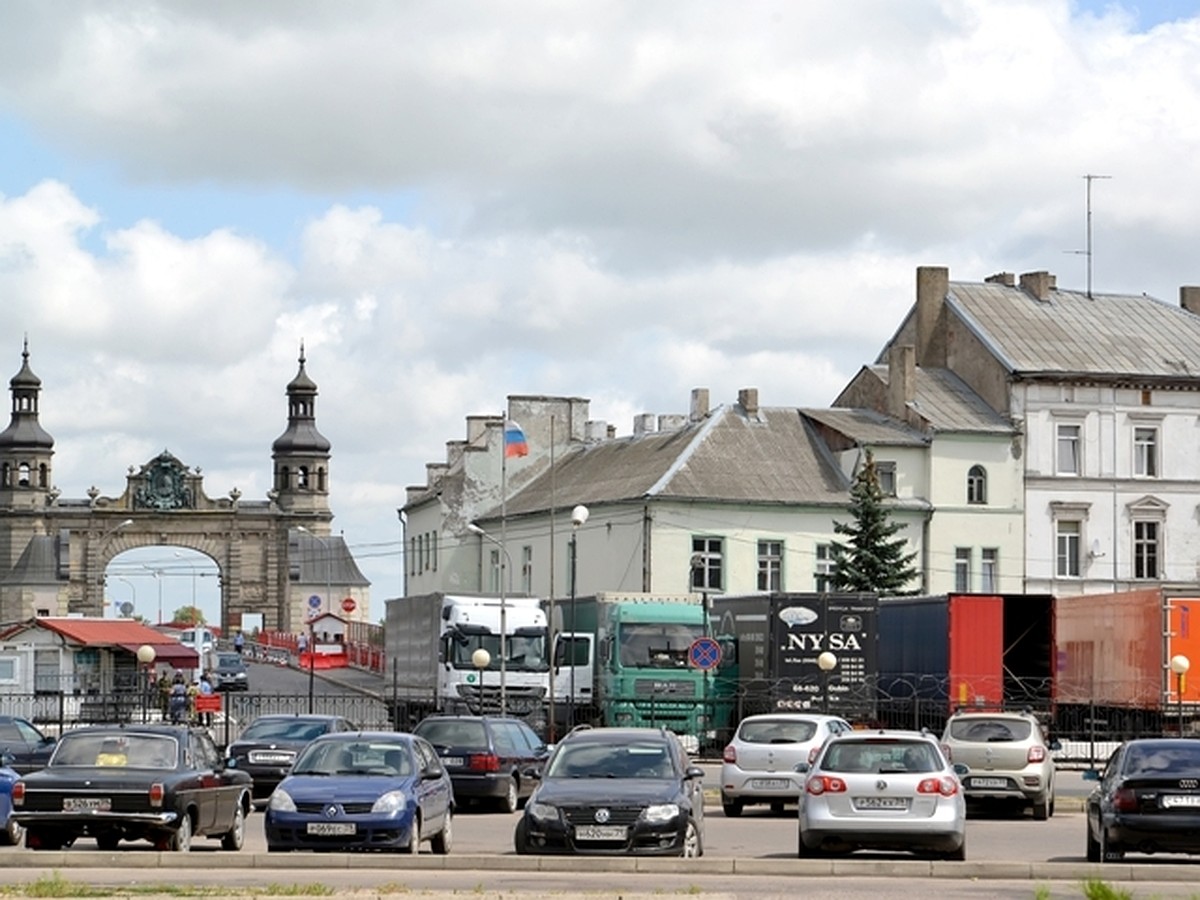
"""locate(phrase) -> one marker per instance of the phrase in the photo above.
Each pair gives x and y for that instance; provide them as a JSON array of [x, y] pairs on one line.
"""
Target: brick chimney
[[1189, 298], [1039, 284], [643, 423], [699, 408], [1005, 278], [933, 284], [902, 380], [748, 401]]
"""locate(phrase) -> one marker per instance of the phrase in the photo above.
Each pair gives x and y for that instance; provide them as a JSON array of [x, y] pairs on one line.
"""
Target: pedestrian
[[164, 696], [302, 644], [239, 642], [205, 690], [179, 700]]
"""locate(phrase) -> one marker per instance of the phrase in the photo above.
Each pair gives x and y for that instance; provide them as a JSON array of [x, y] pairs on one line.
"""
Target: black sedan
[[616, 791], [1147, 801], [29, 749], [164, 784], [270, 744]]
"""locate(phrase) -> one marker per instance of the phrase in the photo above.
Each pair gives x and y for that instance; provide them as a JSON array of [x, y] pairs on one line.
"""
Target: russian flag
[[514, 440]]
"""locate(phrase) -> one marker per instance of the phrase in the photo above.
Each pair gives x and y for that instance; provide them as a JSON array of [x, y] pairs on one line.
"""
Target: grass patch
[[55, 886], [1096, 889]]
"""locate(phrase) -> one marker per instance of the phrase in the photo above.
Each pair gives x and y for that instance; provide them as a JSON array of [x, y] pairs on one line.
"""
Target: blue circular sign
[[314, 602], [704, 653]]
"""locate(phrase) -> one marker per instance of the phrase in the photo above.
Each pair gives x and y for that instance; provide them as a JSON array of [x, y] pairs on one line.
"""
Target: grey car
[[1003, 756]]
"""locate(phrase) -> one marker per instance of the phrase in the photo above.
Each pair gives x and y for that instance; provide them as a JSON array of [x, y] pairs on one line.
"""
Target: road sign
[[348, 605], [314, 602], [704, 653]]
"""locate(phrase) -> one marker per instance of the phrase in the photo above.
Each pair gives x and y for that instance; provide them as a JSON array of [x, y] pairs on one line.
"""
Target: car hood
[[343, 789], [608, 791]]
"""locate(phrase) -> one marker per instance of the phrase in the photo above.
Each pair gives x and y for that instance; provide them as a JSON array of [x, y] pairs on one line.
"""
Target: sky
[[449, 203]]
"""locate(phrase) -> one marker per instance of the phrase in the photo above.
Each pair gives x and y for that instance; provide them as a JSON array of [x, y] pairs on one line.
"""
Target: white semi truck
[[432, 666]]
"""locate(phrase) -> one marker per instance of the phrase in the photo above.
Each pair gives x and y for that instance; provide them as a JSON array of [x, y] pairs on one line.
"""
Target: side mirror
[[434, 772], [1091, 775], [694, 772], [961, 769], [6, 758]]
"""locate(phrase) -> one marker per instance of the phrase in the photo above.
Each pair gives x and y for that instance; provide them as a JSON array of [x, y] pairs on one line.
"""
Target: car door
[[207, 764], [531, 753], [433, 790]]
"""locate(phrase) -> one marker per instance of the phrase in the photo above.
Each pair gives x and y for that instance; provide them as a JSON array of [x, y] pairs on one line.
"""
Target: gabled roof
[[1071, 333], [947, 402], [866, 426], [38, 564], [123, 633], [767, 457]]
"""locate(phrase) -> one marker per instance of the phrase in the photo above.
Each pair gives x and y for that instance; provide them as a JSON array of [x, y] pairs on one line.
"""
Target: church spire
[[25, 447], [301, 453]]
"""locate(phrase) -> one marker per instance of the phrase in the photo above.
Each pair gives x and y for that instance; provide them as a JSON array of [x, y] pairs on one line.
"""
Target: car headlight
[[661, 812], [281, 801], [542, 810], [390, 803]]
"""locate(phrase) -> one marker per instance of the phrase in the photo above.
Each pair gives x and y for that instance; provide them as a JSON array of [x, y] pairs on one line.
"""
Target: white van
[[204, 642]]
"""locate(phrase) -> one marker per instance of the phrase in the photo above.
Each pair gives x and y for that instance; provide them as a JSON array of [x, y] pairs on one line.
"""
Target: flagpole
[[503, 558]]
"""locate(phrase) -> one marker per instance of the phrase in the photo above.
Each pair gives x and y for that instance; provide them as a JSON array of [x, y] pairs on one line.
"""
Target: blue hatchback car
[[362, 791], [10, 829]]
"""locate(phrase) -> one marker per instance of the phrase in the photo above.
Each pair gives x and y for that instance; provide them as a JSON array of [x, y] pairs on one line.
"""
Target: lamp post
[[475, 529], [481, 659], [1179, 665], [826, 662], [312, 632], [132, 592], [145, 656], [579, 516]]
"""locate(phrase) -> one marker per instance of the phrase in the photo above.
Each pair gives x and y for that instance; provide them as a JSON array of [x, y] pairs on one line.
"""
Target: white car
[[883, 790], [759, 764]]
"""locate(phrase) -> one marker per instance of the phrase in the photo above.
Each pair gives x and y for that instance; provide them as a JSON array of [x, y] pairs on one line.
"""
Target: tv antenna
[[1088, 252]]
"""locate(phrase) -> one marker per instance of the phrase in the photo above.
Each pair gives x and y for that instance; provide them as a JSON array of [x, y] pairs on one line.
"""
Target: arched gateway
[[275, 556]]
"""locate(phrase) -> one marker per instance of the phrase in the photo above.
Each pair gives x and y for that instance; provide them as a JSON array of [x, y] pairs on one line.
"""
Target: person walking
[[205, 689], [239, 642]]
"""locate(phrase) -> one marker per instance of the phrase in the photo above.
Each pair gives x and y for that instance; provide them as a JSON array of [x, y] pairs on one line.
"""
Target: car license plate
[[87, 804], [600, 833], [772, 784], [330, 828], [453, 761], [1175, 800], [989, 782], [880, 803]]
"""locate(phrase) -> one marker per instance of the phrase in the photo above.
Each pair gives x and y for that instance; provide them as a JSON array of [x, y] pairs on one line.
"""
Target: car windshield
[[658, 646], [131, 751], [1157, 759], [229, 661], [990, 730], [284, 730], [356, 757], [453, 733], [880, 757], [777, 731], [643, 759]]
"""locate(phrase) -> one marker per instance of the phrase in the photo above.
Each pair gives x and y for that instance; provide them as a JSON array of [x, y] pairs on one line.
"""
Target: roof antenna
[[1088, 252]]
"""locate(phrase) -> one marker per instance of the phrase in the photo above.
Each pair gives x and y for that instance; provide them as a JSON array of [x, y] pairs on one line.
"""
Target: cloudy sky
[[453, 202]]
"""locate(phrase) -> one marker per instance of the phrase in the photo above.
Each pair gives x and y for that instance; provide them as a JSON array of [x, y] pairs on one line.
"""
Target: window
[[825, 569], [8, 670], [1145, 549], [886, 473], [989, 570], [527, 569], [494, 573], [1068, 450], [977, 485], [1067, 535], [770, 565], [706, 563], [433, 550], [1145, 452], [962, 569]]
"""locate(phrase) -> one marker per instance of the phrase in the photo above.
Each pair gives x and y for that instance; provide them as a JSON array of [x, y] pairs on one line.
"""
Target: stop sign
[[348, 605]]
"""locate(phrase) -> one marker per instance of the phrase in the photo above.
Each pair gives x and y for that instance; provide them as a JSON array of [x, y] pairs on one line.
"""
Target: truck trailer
[[941, 652], [432, 666]]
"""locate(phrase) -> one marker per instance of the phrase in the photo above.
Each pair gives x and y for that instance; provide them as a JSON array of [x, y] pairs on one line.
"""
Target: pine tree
[[870, 561]]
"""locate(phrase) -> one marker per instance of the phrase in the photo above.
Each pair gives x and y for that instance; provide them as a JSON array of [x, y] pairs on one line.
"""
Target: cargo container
[[1114, 655], [940, 652], [771, 650]]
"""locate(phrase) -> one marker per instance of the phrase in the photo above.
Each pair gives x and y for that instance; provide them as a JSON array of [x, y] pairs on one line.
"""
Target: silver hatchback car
[[759, 764], [1003, 756], [883, 790]]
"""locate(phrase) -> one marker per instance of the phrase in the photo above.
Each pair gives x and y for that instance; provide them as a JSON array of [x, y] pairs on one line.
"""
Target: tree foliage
[[188, 615], [872, 559]]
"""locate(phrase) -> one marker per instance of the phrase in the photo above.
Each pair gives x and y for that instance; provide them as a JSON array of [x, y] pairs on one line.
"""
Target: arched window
[[977, 485], [43, 476], [23, 475], [282, 483], [302, 476]]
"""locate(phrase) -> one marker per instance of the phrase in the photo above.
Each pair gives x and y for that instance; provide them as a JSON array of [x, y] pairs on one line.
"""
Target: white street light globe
[[579, 515], [145, 654], [1180, 664], [481, 659], [826, 661]]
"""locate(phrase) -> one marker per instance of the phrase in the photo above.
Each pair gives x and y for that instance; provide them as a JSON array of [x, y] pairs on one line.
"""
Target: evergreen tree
[[870, 560]]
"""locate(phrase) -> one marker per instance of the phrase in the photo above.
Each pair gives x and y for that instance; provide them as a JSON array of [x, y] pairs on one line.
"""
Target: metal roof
[[126, 634], [866, 426], [948, 403]]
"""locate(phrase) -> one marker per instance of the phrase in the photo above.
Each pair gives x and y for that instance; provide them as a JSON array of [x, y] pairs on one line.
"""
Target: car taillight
[[730, 754], [156, 794], [483, 762], [18, 794], [825, 784], [1125, 800], [1037, 754], [946, 786]]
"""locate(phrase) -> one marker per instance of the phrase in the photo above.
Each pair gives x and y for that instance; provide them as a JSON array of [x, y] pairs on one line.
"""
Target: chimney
[[748, 401], [699, 408], [643, 423], [902, 380], [671, 421], [611, 432], [933, 284], [1039, 284], [1189, 299], [1005, 278], [595, 430]]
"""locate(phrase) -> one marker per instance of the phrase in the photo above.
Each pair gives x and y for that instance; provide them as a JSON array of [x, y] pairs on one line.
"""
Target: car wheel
[[37, 839], [1093, 846], [732, 808], [1109, 852], [1051, 809], [235, 837], [444, 839], [959, 854], [1041, 810], [693, 846], [12, 833], [181, 837], [777, 807], [414, 837], [108, 842], [521, 838], [508, 803], [805, 852]]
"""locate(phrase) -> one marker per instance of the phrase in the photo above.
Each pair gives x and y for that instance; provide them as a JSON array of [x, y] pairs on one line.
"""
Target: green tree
[[189, 615], [872, 559]]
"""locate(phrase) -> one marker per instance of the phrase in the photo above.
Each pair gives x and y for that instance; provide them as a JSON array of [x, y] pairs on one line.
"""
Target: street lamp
[[312, 631], [145, 656], [826, 662], [1179, 665], [579, 515], [132, 592], [481, 659], [475, 529]]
